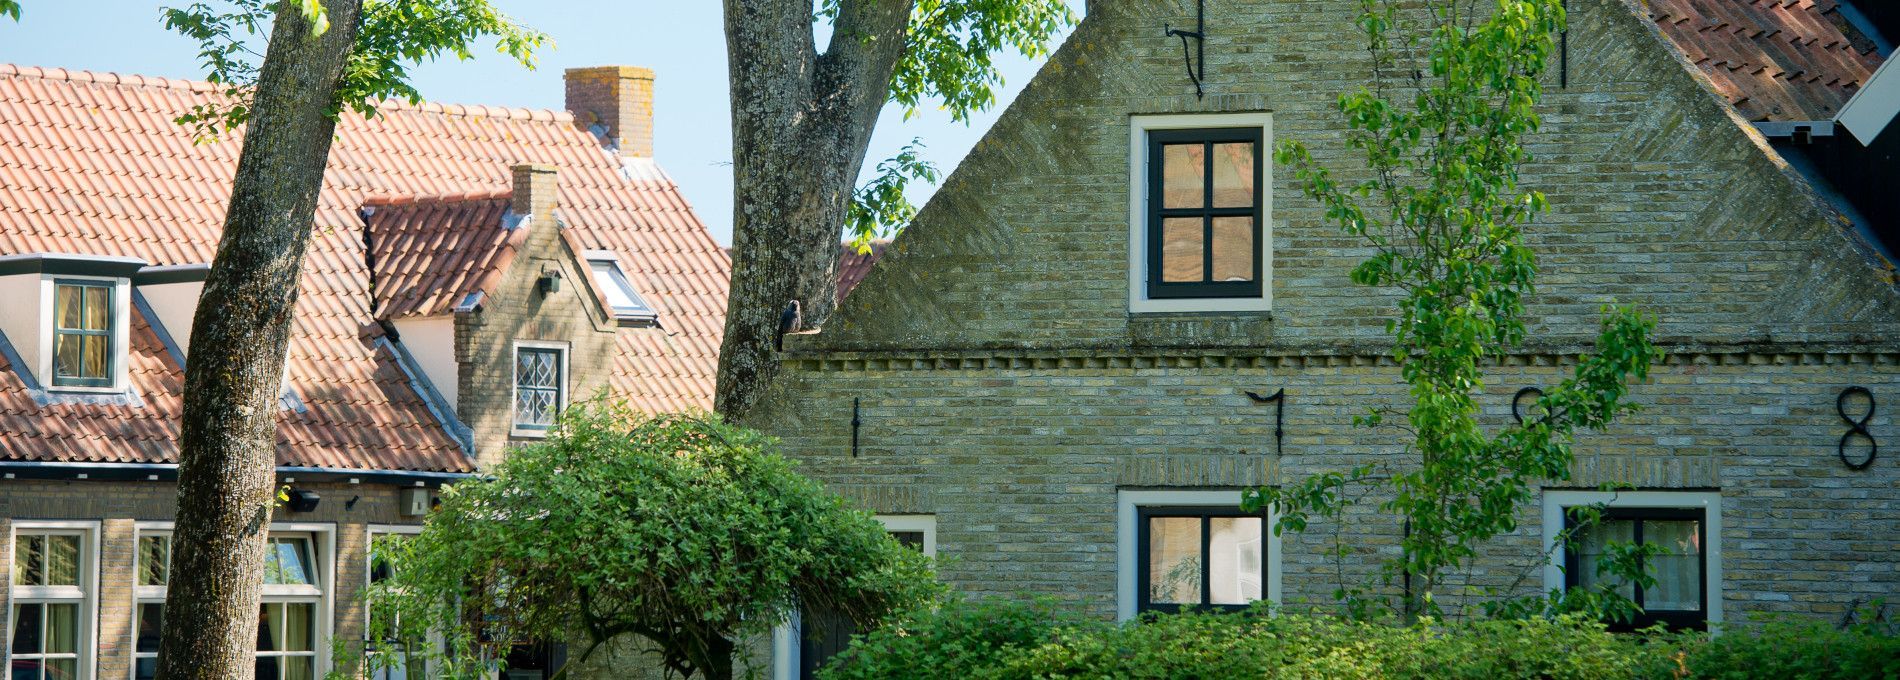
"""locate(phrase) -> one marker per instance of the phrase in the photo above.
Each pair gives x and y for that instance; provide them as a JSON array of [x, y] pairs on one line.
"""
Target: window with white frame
[[54, 578], [1180, 549], [1681, 531], [805, 645], [292, 618], [1199, 210], [83, 327], [626, 304], [389, 657], [540, 387]]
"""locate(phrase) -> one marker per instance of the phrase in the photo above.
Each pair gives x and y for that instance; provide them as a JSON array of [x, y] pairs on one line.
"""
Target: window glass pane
[[29, 560], [1233, 249], [1678, 569], [27, 628], [67, 305], [267, 668], [98, 305], [300, 668], [534, 407], [288, 562], [536, 368], [154, 559], [94, 359], [619, 292], [1174, 560], [62, 669], [69, 352], [1181, 251], [62, 628], [62, 560], [1592, 551], [1235, 554], [270, 629], [299, 627], [1184, 175], [151, 621], [145, 669], [1233, 175], [910, 539]]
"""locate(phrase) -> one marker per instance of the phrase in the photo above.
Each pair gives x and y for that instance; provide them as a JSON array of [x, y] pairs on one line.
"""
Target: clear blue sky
[[681, 40]]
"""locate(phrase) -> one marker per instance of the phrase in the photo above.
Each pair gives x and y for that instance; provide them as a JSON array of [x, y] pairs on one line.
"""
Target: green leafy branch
[[880, 207]]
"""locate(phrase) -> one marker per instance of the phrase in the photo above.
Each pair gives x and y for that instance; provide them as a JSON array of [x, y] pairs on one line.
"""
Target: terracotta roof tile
[[1774, 60], [92, 163], [853, 266]]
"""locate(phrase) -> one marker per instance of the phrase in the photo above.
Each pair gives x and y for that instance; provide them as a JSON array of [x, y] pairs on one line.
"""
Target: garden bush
[[1000, 641]]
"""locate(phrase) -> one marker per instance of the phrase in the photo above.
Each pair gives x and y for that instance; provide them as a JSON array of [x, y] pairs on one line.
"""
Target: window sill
[[529, 434], [1259, 305]]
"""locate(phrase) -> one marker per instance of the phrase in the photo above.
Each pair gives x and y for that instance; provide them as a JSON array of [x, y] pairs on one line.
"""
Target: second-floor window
[[82, 334], [540, 387], [1204, 213]]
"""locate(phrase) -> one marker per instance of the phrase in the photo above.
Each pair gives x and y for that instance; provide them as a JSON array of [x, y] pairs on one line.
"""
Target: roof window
[[628, 307]]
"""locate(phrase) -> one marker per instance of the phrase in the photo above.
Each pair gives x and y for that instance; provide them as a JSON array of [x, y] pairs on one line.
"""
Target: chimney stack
[[615, 103], [534, 191]]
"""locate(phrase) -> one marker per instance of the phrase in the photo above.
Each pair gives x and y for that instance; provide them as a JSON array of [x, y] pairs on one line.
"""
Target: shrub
[[999, 641]]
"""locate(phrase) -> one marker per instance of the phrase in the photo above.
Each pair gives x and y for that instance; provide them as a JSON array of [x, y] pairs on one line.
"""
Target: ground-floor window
[[1682, 531], [55, 574], [390, 657], [292, 620], [1182, 549], [805, 645]]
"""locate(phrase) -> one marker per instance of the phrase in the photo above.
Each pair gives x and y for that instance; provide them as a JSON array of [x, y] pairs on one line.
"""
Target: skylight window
[[627, 305]]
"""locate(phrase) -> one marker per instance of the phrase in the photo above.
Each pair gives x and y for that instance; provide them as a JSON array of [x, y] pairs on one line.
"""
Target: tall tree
[[322, 56], [1442, 127], [801, 121]]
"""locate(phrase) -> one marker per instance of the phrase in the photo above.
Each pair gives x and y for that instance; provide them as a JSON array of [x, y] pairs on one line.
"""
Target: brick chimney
[[534, 191], [614, 103]]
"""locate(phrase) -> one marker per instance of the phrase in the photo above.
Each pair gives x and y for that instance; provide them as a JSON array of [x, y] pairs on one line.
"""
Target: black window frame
[[1675, 619], [1159, 289], [822, 636], [560, 386], [1144, 590], [112, 321]]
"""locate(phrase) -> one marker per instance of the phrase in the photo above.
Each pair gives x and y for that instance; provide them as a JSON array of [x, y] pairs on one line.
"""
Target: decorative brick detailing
[[614, 103]]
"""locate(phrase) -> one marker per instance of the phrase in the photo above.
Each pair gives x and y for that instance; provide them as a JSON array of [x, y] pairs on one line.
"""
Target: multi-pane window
[[1213, 557], [538, 387], [823, 635], [82, 334], [389, 656], [288, 622], [1204, 213], [1679, 564], [49, 603]]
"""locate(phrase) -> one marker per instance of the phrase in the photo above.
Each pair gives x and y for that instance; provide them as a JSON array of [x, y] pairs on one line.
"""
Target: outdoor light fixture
[[549, 283], [303, 500]]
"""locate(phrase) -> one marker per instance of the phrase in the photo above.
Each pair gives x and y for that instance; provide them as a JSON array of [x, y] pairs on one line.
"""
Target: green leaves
[[678, 528], [1441, 127], [10, 8], [950, 47], [879, 208], [394, 35]]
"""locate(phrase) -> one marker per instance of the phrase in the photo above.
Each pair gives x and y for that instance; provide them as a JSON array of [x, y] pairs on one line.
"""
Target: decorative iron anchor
[[1197, 65]]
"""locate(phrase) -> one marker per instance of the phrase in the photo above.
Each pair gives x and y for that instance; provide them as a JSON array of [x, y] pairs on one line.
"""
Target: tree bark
[[800, 124], [234, 375]]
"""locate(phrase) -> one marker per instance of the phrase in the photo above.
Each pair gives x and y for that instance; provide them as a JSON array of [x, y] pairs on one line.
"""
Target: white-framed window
[[390, 658], [540, 386], [1686, 527], [1200, 213], [86, 332], [797, 656], [54, 605], [614, 285], [1192, 548], [294, 617]]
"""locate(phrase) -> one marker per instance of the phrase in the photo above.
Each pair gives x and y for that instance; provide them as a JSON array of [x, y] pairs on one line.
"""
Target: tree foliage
[[680, 529], [394, 34], [1441, 127]]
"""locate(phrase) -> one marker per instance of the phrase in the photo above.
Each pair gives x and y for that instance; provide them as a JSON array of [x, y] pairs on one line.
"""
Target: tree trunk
[[800, 125], [234, 375]]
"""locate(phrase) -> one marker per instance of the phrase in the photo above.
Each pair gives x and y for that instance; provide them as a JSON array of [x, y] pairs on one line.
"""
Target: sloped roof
[[853, 266], [429, 255], [1774, 60], [92, 163]]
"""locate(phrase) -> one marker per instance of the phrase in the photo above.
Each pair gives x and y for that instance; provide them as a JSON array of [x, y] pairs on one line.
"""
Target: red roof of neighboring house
[[1774, 60], [429, 255], [854, 266], [92, 163]]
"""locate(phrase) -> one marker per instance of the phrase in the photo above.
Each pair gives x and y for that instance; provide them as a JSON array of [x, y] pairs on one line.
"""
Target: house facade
[[1052, 365], [472, 269]]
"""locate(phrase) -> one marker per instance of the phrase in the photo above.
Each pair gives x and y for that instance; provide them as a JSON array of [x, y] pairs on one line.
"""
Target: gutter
[[168, 472]]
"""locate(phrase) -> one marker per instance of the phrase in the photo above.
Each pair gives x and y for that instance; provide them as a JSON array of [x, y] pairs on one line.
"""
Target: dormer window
[[628, 308], [83, 320]]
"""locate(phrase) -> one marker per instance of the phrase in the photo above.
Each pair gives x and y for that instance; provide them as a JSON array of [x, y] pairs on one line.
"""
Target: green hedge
[[1000, 641]]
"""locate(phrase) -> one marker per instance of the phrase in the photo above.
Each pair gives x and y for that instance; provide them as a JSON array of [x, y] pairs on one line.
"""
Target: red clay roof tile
[[1774, 60]]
